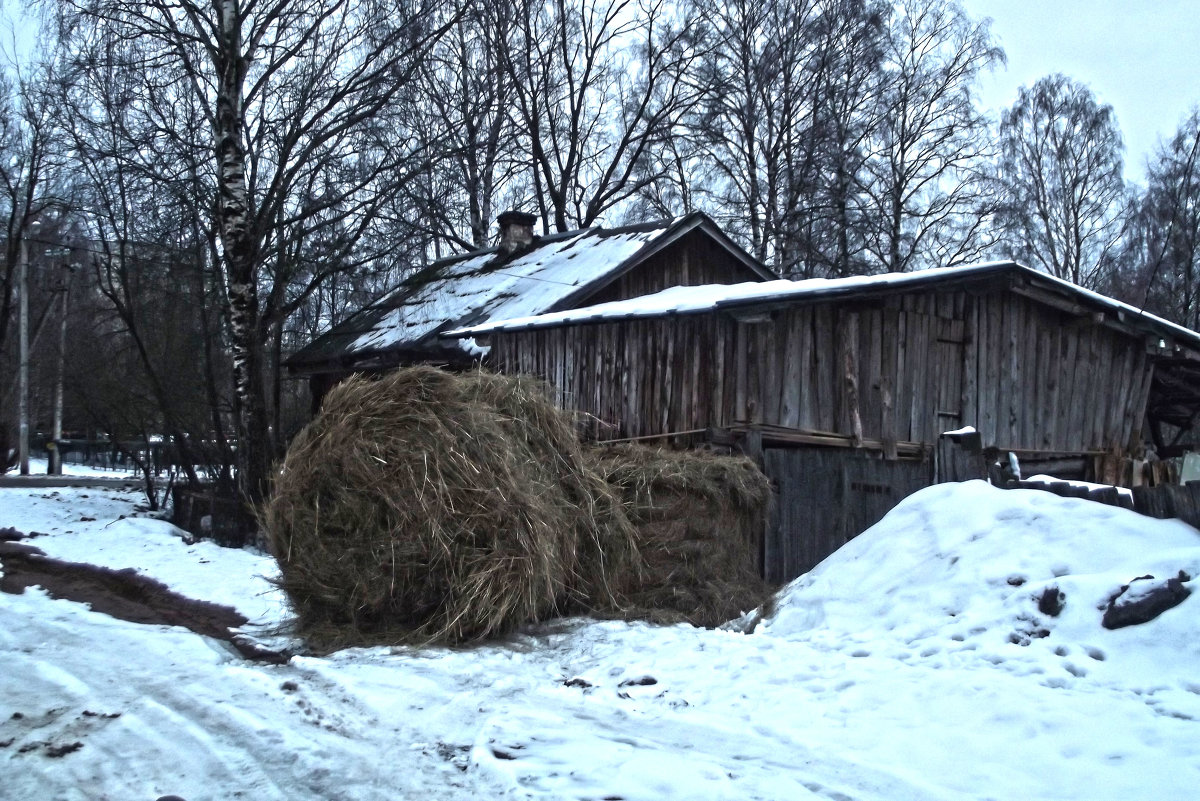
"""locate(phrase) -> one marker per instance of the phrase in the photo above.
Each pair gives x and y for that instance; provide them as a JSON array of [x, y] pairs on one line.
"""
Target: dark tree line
[[235, 176]]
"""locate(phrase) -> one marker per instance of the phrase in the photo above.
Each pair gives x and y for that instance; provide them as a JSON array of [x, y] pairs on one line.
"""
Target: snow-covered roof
[[478, 287], [696, 299]]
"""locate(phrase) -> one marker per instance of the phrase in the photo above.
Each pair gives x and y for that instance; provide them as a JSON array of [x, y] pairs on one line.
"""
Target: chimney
[[516, 230]]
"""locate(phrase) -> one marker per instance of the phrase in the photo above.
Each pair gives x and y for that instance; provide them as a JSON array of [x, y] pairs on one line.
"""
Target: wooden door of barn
[[826, 497]]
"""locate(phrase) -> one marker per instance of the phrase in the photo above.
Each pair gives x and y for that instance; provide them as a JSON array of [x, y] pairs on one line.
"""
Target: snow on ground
[[907, 666], [40, 467], [101, 527]]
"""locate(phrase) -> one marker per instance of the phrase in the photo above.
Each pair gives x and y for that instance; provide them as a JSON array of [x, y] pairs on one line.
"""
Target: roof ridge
[[554, 236]]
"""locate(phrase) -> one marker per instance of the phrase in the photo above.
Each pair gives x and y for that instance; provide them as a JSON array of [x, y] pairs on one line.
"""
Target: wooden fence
[[1165, 501], [206, 513], [107, 455]]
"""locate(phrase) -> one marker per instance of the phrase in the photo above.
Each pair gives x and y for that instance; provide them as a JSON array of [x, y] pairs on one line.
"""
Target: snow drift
[[1011, 577]]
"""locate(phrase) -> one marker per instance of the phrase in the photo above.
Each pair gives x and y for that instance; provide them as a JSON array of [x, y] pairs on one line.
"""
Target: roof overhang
[[1163, 338], [350, 343]]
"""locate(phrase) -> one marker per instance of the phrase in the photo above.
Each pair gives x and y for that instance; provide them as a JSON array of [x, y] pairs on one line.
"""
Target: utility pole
[[23, 339], [55, 445]]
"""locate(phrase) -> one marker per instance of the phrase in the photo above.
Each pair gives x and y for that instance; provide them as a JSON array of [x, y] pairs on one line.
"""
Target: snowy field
[[912, 664]]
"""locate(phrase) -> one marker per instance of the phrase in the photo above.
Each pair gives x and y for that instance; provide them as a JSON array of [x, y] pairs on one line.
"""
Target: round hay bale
[[699, 520], [434, 507]]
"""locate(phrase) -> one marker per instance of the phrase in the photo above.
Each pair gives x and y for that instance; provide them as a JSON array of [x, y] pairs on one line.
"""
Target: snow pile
[[101, 527], [957, 572]]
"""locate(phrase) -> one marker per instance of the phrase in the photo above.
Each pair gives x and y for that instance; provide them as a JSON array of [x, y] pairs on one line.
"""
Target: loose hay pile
[[699, 521], [433, 507]]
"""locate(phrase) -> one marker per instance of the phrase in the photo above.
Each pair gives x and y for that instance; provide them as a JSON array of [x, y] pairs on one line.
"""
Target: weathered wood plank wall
[[1042, 380], [826, 498], [900, 369], [885, 373], [694, 260]]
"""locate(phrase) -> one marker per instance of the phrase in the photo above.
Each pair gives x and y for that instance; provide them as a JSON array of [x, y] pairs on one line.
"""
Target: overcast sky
[[1142, 57]]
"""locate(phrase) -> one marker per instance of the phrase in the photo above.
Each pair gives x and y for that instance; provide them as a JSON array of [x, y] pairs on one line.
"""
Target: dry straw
[[426, 506], [699, 519]]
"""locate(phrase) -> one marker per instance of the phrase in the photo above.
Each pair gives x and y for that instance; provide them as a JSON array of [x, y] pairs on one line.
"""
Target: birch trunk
[[241, 257]]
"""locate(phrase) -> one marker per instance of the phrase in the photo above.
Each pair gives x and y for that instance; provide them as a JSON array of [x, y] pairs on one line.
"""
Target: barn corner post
[[240, 254]]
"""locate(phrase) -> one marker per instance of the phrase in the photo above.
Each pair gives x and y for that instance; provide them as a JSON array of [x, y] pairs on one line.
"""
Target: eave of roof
[[699, 300]]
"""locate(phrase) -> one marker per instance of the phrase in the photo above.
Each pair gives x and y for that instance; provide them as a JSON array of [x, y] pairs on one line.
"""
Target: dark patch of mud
[[125, 595]]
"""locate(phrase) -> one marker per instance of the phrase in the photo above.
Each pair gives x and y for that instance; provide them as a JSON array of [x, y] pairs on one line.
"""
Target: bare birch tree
[[1063, 177], [467, 92], [596, 87], [34, 188], [305, 136], [834, 229], [1164, 240], [929, 189], [790, 103], [757, 124]]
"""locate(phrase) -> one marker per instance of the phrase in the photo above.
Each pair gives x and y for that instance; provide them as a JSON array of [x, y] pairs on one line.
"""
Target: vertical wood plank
[[770, 371], [1095, 379], [973, 362], [789, 402], [825, 369], [1031, 381], [989, 390], [806, 377], [1010, 386], [870, 326], [1049, 374], [889, 378], [719, 384], [850, 413]]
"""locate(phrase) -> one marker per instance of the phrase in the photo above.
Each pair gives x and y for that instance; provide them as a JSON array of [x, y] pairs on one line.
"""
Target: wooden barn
[[524, 274], [843, 388]]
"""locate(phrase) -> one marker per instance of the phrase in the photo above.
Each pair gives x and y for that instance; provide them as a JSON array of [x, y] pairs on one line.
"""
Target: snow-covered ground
[[912, 664], [39, 467]]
